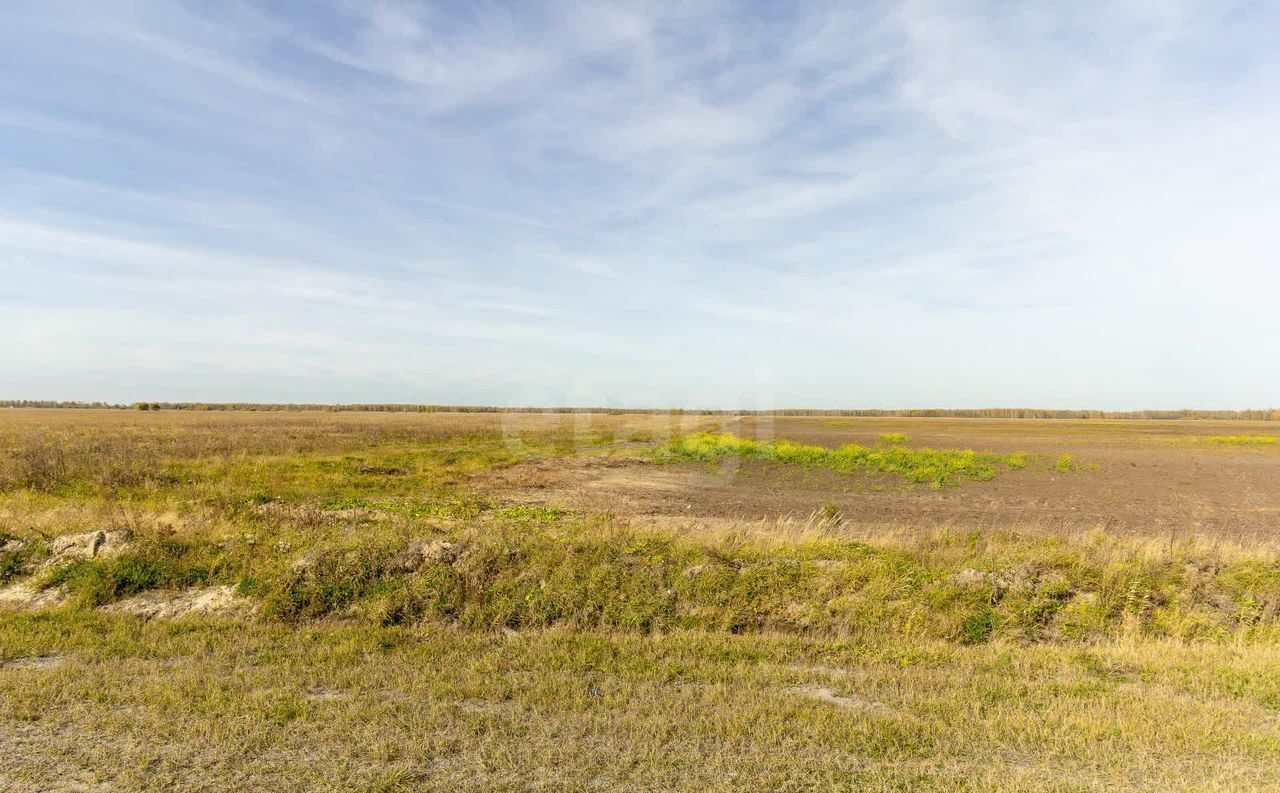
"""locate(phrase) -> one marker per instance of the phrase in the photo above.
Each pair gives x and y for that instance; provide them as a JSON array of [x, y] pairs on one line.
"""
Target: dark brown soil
[[1140, 476]]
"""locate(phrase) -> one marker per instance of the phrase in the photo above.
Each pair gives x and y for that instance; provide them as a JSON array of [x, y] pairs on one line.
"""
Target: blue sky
[[701, 204]]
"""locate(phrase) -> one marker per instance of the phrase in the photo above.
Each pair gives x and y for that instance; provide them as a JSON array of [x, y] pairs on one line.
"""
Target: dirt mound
[[424, 552], [87, 545], [28, 595]]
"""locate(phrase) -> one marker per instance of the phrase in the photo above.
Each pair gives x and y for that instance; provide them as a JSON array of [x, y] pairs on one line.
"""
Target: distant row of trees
[[982, 413], [53, 403]]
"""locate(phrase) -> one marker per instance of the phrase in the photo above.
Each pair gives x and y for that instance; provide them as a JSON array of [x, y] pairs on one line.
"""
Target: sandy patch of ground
[[830, 697], [33, 662], [165, 604], [484, 706], [86, 545], [25, 596], [318, 694]]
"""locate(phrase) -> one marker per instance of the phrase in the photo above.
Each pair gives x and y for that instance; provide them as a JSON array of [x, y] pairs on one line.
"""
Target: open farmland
[[1147, 477], [368, 601]]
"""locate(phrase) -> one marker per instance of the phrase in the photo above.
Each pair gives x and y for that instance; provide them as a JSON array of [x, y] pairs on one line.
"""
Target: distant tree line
[[54, 403], [1272, 414]]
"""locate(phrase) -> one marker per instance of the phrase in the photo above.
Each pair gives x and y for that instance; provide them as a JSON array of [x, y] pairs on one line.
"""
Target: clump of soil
[[423, 552], [86, 545]]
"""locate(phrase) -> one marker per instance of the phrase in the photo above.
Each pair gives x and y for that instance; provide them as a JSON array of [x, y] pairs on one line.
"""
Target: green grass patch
[[894, 438], [449, 505], [326, 581], [531, 513], [1239, 440], [978, 627], [936, 467]]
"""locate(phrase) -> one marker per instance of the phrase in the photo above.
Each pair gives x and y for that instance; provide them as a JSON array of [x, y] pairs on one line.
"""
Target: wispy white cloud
[[646, 202]]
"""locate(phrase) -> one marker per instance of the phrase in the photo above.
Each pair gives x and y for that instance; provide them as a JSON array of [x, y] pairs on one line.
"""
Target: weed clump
[[978, 627], [1240, 440], [894, 438], [936, 467]]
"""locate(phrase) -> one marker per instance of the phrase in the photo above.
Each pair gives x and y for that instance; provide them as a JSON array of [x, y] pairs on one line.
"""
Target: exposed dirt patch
[[12, 546], [86, 545], [324, 694], [25, 596], [163, 604], [484, 706], [829, 696], [421, 552], [604, 484], [33, 662]]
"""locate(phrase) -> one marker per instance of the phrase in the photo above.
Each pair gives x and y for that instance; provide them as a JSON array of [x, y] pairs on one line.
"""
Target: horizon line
[[1266, 414]]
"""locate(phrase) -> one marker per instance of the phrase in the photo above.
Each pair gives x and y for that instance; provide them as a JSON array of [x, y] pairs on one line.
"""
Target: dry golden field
[[384, 601]]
